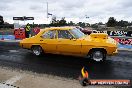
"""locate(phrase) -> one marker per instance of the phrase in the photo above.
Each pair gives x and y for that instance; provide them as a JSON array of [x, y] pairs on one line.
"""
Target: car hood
[[99, 37]]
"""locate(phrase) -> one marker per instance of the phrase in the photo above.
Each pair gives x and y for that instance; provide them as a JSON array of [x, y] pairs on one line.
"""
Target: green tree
[[1, 20], [81, 24], [62, 22], [111, 22], [100, 23], [94, 25], [71, 23], [55, 22], [123, 23]]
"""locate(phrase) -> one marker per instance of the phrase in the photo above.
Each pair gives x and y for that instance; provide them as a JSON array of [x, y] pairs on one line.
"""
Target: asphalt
[[116, 67]]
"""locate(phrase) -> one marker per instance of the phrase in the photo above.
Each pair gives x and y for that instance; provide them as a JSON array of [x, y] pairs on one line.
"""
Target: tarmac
[[16, 78]]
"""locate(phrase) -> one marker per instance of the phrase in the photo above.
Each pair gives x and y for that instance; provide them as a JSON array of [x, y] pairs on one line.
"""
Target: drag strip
[[14, 57]]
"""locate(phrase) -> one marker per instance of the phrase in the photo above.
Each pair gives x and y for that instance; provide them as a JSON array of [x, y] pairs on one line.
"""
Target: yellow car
[[71, 41]]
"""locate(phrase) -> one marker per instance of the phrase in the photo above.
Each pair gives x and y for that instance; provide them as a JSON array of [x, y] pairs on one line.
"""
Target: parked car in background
[[87, 31], [71, 41]]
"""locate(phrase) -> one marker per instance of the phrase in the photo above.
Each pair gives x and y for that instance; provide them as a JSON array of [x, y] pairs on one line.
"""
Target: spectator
[[28, 31]]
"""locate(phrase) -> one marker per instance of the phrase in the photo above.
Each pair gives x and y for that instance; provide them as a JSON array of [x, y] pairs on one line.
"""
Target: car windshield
[[77, 33]]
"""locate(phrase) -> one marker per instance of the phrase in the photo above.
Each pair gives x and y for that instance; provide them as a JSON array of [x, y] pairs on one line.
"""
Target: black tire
[[37, 50], [98, 55]]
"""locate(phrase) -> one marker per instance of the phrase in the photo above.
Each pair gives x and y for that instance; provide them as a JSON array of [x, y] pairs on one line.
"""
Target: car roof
[[58, 28]]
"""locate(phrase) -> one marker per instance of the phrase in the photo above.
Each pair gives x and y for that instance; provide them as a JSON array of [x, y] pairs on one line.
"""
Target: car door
[[49, 41], [66, 44]]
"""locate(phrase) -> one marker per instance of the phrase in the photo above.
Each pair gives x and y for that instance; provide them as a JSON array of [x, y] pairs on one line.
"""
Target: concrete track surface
[[64, 67]]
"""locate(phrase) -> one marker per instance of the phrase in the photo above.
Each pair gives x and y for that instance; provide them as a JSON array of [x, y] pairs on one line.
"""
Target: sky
[[72, 10]]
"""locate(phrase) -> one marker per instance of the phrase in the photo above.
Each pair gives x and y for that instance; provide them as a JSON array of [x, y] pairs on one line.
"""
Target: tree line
[[112, 22], [63, 22], [1, 20]]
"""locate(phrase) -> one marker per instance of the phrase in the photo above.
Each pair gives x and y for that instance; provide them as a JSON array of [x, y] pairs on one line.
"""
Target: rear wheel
[[37, 50], [98, 55]]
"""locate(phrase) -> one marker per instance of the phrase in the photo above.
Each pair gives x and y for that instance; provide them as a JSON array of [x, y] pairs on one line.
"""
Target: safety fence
[[116, 33], [124, 38], [123, 42], [7, 37], [19, 33]]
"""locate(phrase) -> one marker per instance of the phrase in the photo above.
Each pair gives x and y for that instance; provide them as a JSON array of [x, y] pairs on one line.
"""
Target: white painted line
[[13, 51], [13, 79]]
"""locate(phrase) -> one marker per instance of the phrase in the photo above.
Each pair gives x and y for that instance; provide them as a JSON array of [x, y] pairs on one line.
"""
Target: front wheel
[[98, 55], [37, 50]]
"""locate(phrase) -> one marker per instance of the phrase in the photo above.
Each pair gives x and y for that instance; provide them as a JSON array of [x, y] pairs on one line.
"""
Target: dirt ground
[[22, 79]]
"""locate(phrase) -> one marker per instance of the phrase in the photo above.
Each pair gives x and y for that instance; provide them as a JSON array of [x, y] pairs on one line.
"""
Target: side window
[[64, 34], [49, 35]]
